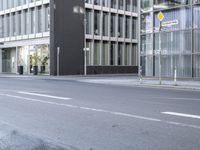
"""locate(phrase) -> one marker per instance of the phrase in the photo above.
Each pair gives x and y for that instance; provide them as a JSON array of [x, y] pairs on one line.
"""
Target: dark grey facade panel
[[66, 32], [112, 69]]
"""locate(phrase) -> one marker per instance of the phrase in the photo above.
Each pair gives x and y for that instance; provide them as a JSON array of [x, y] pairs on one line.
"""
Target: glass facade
[[178, 39]]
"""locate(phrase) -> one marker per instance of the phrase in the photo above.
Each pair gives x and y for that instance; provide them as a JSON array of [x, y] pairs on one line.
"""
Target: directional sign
[[160, 16], [86, 49], [170, 23]]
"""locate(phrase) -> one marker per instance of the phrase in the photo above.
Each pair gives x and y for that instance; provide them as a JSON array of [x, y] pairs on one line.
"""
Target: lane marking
[[174, 98], [43, 95], [182, 115], [104, 111]]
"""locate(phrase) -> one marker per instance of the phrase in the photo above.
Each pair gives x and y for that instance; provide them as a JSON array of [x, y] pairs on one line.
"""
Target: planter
[[20, 70], [35, 70], [31, 69], [42, 69]]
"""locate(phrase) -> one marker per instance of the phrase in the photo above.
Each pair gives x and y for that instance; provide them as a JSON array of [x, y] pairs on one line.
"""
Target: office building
[[30, 34], [50, 34], [178, 38]]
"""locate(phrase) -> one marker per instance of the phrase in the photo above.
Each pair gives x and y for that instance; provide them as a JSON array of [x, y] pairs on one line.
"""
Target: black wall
[[66, 32], [112, 69]]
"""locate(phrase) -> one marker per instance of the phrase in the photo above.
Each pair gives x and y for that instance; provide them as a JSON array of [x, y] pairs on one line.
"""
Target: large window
[[121, 4], [146, 44], [182, 19], [113, 25], [47, 17], [134, 28], [97, 22], [146, 23], [196, 41], [176, 48], [164, 4], [112, 53], [127, 28], [128, 5], [32, 21], [120, 26], [39, 19], [196, 16], [105, 3], [96, 53], [105, 53], [134, 5], [105, 24], [19, 23], [113, 3], [1, 26], [88, 22], [146, 5], [97, 2], [119, 54]]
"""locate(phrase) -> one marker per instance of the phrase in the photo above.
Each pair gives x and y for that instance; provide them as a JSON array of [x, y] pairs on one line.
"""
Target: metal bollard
[[175, 76], [140, 70]]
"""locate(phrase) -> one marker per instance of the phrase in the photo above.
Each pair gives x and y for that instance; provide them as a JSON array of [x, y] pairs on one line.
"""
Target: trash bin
[[35, 70], [20, 70]]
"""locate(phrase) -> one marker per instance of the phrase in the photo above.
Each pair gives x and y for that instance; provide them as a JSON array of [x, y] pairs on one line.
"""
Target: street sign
[[160, 16], [158, 52], [170, 23], [86, 49]]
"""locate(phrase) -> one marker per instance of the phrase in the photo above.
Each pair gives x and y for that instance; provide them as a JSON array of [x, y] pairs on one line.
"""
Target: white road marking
[[104, 111], [44, 95], [175, 98], [182, 115]]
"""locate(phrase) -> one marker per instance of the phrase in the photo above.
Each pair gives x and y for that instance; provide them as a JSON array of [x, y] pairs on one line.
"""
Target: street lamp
[[81, 10]]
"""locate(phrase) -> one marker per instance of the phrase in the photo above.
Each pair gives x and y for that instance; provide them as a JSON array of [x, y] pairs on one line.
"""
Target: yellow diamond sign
[[160, 16]]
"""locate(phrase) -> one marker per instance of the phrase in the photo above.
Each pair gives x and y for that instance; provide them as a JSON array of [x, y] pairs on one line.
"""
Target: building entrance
[[34, 57], [9, 60]]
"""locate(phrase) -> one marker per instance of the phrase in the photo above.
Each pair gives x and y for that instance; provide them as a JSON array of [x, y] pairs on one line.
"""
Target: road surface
[[72, 115]]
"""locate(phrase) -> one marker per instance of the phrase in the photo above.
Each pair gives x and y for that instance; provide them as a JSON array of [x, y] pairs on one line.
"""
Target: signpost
[[58, 61], [160, 17], [85, 60]]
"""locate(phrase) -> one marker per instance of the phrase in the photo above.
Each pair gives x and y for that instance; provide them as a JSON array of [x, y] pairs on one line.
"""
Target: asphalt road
[[71, 115]]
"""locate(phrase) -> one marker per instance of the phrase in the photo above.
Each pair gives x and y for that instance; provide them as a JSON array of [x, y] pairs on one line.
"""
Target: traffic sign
[[160, 16]]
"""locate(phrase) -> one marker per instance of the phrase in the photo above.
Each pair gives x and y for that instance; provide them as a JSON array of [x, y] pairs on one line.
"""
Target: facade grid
[[112, 32]]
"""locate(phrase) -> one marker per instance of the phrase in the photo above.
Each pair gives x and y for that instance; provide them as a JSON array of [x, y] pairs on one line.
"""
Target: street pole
[[1, 46], [58, 61], [140, 74], [85, 49], [160, 53]]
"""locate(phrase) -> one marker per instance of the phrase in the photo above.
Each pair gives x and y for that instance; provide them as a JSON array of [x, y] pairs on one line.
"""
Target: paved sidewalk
[[121, 80], [147, 82]]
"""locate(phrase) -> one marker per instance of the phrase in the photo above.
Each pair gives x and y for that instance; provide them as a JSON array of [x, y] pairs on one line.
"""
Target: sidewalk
[[148, 82], [120, 80]]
